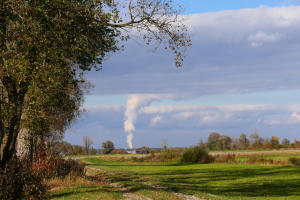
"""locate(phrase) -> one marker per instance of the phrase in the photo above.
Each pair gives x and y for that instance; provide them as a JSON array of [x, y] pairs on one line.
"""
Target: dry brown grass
[[69, 181], [265, 152], [225, 158]]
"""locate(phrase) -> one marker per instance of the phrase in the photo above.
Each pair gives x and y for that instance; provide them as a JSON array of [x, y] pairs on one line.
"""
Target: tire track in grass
[[131, 196]]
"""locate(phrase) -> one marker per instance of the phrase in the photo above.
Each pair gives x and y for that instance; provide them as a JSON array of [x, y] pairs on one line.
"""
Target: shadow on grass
[[270, 182], [81, 190], [232, 180]]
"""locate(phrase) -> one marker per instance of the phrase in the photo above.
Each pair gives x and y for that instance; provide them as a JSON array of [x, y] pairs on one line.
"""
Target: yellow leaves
[[16, 68]]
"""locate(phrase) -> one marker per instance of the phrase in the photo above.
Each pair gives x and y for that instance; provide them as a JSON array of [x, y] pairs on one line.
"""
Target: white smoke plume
[[134, 103]]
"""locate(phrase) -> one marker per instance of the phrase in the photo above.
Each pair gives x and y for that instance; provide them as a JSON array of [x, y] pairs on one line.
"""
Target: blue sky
[[241, 74], [198, 6]]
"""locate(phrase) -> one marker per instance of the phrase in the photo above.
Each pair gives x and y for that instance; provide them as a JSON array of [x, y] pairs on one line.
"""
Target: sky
[[242, 74]]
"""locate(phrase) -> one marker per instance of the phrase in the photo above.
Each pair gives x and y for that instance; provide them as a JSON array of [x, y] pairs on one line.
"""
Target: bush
[[169, 155], [294, 161], [119, 151], [55, 166], [18, 181], [196, 155]]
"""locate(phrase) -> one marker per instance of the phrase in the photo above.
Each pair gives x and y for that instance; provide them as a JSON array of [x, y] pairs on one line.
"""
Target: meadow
[[173, 180]]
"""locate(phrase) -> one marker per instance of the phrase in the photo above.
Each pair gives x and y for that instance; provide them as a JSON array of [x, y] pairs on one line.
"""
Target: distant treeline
[[217, 141], [68, 149]]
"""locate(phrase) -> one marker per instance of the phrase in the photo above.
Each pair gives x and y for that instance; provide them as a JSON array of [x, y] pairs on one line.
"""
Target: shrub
[[225, 158], [119, 151], [294, 161], [168, 155], [55, 166], [18, 181], [196, 154]]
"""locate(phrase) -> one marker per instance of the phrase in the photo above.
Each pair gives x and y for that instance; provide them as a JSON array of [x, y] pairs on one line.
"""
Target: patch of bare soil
[[187, 197]]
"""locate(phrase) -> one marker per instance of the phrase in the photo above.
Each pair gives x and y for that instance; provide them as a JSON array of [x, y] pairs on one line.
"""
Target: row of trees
[[217, 141], [66, 148]]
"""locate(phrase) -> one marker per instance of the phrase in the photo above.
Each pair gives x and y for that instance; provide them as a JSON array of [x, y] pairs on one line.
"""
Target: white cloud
[[98, 108], [186, 124], [189, 110], [295, 117], [221, 61], [185, 115], [155, 120], [261, 37]]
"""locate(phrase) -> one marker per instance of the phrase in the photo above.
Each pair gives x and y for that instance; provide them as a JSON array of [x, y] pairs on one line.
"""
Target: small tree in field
[[87, 142], [223, 143], [212, 140], [243, 142], [164, 143], [285, 142], [275, 142], [107, 147]]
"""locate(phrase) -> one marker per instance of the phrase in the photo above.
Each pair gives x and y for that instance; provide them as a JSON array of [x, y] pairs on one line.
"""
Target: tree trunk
[[23, 143], [12, 121]]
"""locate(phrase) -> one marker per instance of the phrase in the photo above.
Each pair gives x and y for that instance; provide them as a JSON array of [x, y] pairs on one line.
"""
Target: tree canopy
[[46, 46], [107, 147]]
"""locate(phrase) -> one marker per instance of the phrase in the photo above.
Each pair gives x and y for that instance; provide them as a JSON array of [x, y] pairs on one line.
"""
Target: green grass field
[[206, 181]]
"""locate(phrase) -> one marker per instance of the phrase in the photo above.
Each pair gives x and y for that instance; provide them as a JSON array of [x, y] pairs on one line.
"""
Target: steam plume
[[134, 103]]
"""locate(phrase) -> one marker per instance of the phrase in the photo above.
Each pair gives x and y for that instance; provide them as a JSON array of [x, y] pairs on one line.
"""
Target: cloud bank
[[241, 51], [185, 125]]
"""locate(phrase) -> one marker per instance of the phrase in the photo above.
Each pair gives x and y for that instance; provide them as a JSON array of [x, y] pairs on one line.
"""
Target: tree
[[64, 148], [285, 142], [255, 140], [223, 143], [78, 150], [234, 143], [212, 140], [46, 46], [87, 143], [275, 142], [266, 144], [296, 144], [164, 143], [202, 144], [93, 151], [243, 142], [107, 147]]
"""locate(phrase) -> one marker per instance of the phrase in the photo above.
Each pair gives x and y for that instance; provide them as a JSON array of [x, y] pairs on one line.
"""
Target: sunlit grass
[[80, 188], [212, 181]]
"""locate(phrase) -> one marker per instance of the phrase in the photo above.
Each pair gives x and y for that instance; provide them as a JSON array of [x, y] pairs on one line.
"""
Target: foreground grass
[[209, 181], [81, 188]]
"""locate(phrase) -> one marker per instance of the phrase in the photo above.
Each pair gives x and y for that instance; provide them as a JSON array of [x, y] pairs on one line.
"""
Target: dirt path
[[131, 196]]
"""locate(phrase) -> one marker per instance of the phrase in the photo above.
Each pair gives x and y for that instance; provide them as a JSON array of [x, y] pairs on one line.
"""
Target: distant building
[[142, 150], [131, 151]]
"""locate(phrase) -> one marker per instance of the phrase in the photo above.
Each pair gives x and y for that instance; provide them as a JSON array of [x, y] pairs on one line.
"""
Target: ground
[[125, 179]]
